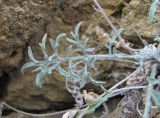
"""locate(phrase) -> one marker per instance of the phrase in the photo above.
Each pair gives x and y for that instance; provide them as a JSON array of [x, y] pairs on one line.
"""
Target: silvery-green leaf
[[68, 51], [82, 82], [153, 71], [78, 50], [90, 59], [107, 36], [43, 46], [62, 71], [84, 78], [116, 34], [114, 50], [71, 74], [156, 97], [58, 38], [53, 44], [107, 46], [85, 41], [39, 77], [90, 49], [80, 73], [53, 67], [30, 54], [77, 28], [157, 38], [74, 75], [97, 83], [152, 10], [43, 50], [28, 65], [44, 41], [73, 35], [37, 69], [53, 56], [71, 41]]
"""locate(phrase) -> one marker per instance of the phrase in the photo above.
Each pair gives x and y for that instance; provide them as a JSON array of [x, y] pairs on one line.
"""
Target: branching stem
[[121, 40]]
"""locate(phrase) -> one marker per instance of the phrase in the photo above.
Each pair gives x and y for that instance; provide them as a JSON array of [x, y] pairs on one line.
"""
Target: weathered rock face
[[24, 23]]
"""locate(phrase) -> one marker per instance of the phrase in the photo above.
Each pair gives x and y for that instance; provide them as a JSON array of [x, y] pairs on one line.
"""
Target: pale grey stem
[[116, 57], [100, 9], [139, 112], [148, 102], [121, 91], [31, 114], [124, 80]]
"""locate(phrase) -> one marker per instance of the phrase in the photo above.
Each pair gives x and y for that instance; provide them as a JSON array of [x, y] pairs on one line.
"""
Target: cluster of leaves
[[53, 62], [80, 60]]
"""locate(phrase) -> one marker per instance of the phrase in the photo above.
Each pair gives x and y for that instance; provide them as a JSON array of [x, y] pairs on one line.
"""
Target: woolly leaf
[[85, 77], [37, 69], [71, 41], [73, 35], [58, 38], [43, 46], [157, 38], [30, 54], [68, 51], [53, 44], [116, 34], [77, 28], [39, 77], [152, 10], [28, 65], [85, 41], [156, 97], [90, 49], [53, 56], [51, 68], [97, 83], [62, 71]]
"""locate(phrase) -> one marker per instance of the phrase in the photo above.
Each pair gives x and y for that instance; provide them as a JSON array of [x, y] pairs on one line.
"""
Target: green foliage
[[152, 93], [152, 10], [53, 62], [112, 41], [157, 38], [80, 60]]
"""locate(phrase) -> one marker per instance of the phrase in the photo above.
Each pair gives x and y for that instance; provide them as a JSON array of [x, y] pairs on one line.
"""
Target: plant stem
[[124, 80], [100, 10], [129, 88], [148, 102], [115, 57], [31, 114]]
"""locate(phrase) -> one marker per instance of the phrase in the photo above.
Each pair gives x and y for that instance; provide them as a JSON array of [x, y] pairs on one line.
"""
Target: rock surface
[[24, 23]]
